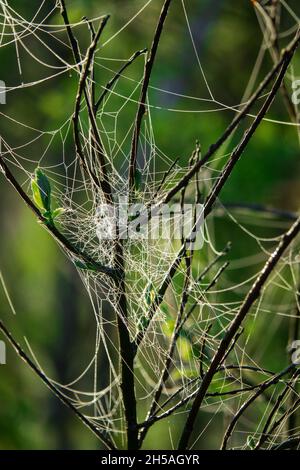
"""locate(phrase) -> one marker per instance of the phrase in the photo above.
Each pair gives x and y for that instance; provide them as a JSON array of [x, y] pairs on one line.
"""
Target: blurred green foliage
[[51, 305]]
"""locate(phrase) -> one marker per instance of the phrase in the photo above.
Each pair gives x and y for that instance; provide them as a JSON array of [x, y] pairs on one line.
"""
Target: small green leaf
[[251, 442], [85, 266], [168, 326], [45, 188], [184, 348], [41, 190]]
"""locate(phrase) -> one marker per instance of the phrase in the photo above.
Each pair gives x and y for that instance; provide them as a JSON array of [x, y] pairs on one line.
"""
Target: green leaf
[[57, 212], [41, 190], [45, 188], [149, 294]]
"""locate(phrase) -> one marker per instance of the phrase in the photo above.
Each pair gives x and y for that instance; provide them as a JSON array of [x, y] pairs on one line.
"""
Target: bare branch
[[249, 300], [286, 59], [236, 154], [104, 439], [264, 434], [145, 84], [104, 182]]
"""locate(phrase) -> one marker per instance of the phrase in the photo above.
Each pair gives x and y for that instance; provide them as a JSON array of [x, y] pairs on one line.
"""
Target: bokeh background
[[52, 308]]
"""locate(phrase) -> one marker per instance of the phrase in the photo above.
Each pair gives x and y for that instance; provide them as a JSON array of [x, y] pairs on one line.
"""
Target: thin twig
[[229, 367], [243, 408], [264, 434], [287, 413], [202, 352], [236, 154], [127, 352], [259, 208], [274, 48], [104, 182], [249, 300], [62, 240], [115, 78], [163, 179], [153, 419], [166, 368], [73, 41], [145, 84], [285, 58]]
